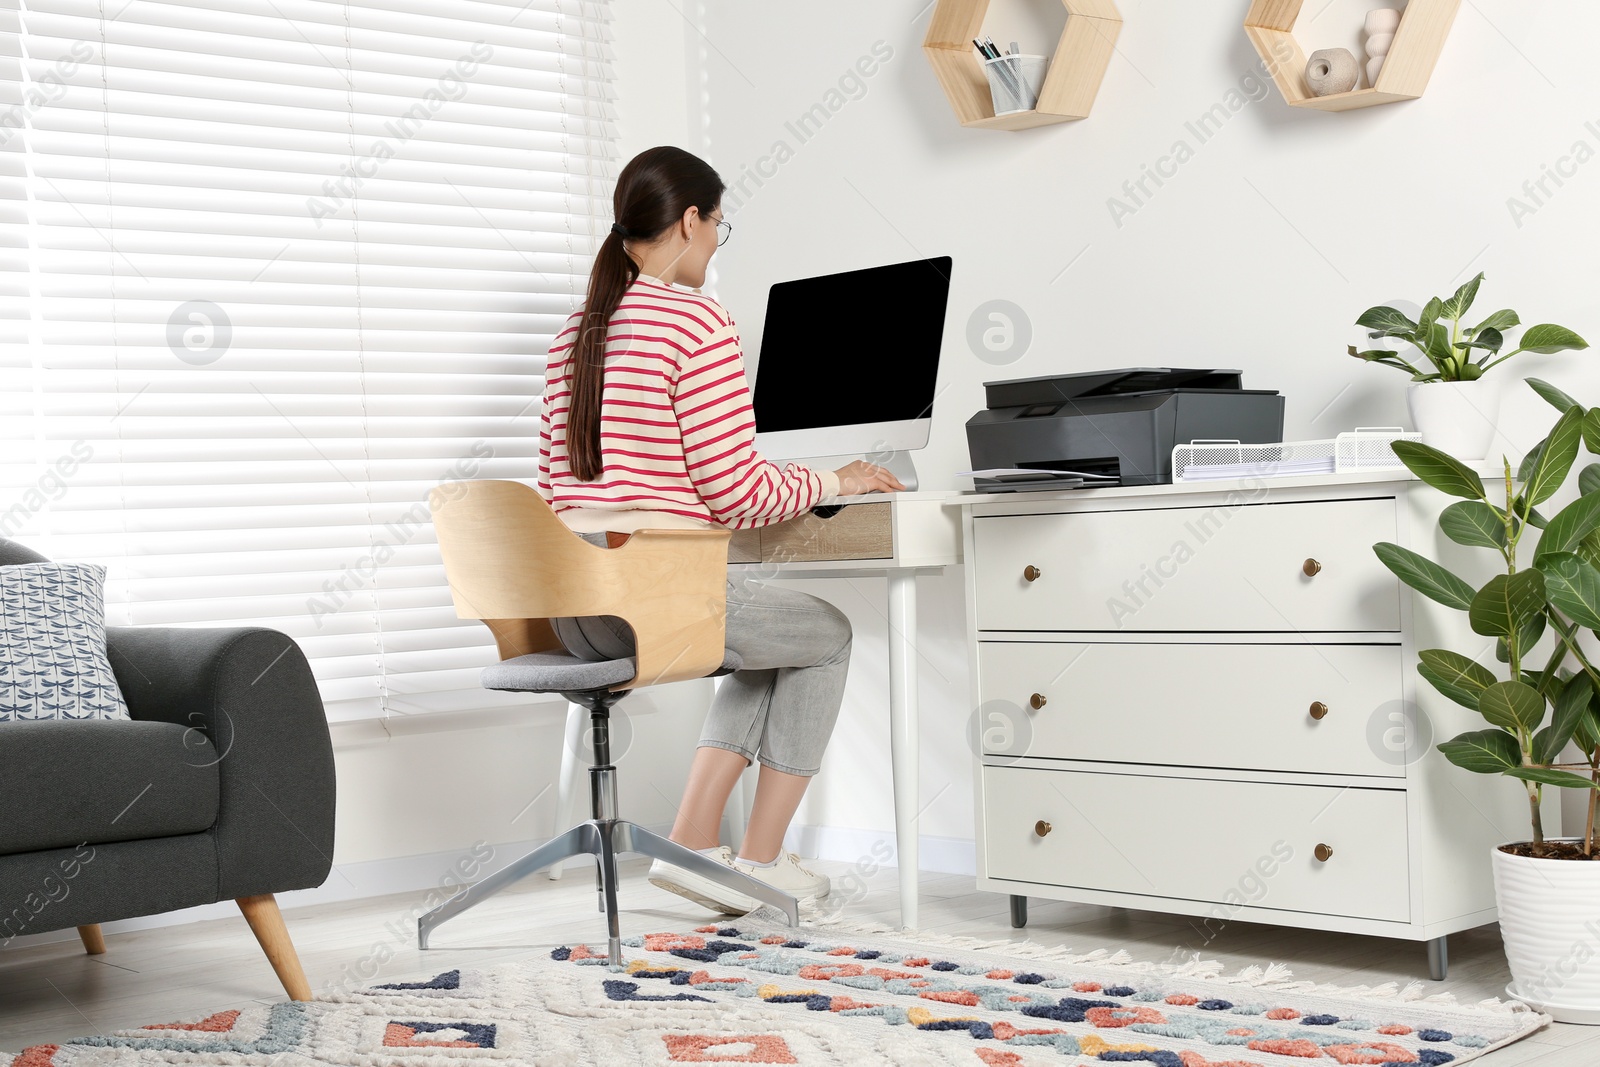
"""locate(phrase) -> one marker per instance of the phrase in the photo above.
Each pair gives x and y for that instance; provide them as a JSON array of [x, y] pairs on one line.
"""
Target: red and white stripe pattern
[[676, 425]]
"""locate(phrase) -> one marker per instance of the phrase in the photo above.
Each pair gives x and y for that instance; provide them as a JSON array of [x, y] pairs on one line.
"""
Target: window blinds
[[270, 271]]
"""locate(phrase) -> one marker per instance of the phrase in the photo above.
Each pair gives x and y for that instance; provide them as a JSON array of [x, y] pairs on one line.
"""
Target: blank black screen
[[851, 348]]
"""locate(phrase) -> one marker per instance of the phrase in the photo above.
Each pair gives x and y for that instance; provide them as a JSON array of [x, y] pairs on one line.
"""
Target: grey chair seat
[[560, 672]]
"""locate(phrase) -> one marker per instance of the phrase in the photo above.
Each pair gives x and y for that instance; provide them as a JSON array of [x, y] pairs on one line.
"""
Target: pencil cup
[[1014, 82]]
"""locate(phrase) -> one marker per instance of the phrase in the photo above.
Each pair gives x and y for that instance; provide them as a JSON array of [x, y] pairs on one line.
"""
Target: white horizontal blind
[[271, 270]]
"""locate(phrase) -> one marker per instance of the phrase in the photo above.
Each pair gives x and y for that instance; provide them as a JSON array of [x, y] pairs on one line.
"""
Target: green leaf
[[1589, 478], [1473, 522], [1591, 430], [1490, 341], [1570, 708], [1457, 305], [1470, 372], [1572, 584], [1548, 337], [1501, 320], [1588, 732], [1558, 399], [1537, 520], [1512, 705], [1429, 316], [1545, 776], [1387, 322], [1588, 549], [1452, 671], [1569, 527], [1436, 346], [1529, 635], [1466, 697], [1483, 751], [1506, 603], [1439, 469], [1425, 576], [1555, 458]]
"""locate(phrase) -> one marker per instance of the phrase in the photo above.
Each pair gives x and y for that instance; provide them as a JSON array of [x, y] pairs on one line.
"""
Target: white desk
[[899, 536]]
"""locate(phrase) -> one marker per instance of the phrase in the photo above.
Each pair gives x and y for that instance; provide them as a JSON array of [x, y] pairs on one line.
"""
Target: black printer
[[1119, 423]]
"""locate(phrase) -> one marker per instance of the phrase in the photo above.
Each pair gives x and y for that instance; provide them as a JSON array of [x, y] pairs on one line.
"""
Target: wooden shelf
[[1424, 25], [1070, 84]]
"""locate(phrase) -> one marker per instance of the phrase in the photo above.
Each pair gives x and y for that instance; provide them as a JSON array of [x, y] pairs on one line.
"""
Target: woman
[[647, 424]]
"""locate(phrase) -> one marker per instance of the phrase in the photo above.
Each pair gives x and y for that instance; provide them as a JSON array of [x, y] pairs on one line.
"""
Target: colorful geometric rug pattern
[[746, 992]]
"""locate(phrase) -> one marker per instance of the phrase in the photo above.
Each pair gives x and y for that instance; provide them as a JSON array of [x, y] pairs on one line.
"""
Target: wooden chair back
[[513, 564]]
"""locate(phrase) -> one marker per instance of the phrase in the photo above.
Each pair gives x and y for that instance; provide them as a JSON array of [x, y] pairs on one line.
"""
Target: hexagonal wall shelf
[[1404, 75], [1070, 84]]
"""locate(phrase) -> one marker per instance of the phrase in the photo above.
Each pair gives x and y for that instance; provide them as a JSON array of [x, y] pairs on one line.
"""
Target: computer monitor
[[848, 366]]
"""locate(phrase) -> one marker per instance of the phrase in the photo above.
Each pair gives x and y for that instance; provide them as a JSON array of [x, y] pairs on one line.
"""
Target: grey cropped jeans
[[782, 706]]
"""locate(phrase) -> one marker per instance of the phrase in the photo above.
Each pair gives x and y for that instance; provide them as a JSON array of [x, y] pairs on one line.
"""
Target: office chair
[[514, 565]]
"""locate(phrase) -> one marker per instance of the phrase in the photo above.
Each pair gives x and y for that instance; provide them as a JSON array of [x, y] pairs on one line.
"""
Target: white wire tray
[[1364, 448]]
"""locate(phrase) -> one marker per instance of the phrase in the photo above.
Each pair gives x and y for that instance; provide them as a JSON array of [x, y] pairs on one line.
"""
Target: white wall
[[1258, 254]]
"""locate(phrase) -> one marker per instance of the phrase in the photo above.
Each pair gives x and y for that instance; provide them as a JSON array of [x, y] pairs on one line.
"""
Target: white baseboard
[[440, 873], [943, 855]]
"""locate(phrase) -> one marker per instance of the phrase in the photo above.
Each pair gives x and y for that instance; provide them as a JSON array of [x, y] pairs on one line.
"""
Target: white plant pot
[[1455, 417], [1550, 923]]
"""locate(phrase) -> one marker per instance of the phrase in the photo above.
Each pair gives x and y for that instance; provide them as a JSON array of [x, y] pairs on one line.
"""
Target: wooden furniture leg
[[266, 922], [94, 942]]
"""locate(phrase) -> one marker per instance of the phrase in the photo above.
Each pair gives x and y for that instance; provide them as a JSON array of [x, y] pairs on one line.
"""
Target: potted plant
[[1449, 404], [1543, 701]]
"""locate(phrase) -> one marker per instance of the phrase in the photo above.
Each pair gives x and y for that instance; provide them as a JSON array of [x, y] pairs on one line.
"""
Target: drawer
[[855, 531], [1199, 839], [1238, 568], [1197, 705]]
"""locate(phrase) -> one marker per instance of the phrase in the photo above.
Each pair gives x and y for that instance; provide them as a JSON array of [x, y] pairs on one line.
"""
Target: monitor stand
[[899, 464]]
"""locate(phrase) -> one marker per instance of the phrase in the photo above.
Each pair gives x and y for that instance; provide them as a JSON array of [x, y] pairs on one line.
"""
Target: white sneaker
[[790, 877], [699, 888]]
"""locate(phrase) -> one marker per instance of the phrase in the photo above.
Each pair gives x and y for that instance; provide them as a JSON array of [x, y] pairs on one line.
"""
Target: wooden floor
[[55, 992]]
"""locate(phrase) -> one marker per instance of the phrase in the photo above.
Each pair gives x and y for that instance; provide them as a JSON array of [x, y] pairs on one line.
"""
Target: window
[[272, 269]]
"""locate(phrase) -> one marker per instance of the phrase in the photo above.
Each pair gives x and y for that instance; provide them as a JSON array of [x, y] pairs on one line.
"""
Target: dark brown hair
[[653, 191]]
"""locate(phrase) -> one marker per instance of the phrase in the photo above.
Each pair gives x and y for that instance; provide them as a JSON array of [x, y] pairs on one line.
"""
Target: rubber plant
[[1538, 708], [1456, 353]]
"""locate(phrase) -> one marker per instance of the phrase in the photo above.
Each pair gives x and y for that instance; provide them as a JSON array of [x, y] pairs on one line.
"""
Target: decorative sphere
[[1383, 20], [1331, 70]]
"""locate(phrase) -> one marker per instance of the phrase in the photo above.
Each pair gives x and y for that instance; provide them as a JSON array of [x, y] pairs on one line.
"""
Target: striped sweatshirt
[[676, 425]]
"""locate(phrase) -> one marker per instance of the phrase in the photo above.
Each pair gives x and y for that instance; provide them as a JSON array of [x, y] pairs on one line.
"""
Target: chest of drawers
[[1202, 699]]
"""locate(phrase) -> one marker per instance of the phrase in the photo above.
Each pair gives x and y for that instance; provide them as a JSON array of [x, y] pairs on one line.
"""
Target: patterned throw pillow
[[53, 662]]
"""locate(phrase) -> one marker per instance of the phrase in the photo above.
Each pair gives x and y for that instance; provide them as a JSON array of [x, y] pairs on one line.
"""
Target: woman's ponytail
[[653, 191]]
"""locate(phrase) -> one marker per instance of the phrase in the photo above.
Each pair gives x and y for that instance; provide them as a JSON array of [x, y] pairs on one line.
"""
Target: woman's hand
[[863, 477]]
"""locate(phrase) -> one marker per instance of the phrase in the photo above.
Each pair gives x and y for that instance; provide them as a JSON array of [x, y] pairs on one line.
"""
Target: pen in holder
[[1014, 82]]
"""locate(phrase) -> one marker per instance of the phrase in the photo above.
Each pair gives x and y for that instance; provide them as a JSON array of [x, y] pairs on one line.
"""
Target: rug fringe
[[1277, 977]]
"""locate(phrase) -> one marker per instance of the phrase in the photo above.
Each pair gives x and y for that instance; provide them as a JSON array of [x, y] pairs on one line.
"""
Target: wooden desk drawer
[[1198, 705], [1225, 842], [1235, 568], [856, 531]]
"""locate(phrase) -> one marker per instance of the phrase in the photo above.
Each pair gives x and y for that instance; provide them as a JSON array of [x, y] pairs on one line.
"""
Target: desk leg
[[903, 740]]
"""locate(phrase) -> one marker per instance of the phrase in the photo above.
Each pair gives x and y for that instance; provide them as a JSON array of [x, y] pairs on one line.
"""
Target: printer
[[1119, 424]]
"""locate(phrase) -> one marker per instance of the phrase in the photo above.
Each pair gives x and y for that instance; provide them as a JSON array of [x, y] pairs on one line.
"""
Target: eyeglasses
[[724, 231]]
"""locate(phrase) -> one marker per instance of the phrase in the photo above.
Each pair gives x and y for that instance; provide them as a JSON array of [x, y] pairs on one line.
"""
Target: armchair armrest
[[674, 593], [251, 691]]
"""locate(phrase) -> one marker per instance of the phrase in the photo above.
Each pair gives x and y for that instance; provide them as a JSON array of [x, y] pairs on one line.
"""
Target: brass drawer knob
[[1041, 827], [1311, 567], [1318, 709], [1037, 701], [1031, 573], [1324, 853]]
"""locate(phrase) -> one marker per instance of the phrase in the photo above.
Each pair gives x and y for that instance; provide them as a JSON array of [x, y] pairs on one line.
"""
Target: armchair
[[220, 787]]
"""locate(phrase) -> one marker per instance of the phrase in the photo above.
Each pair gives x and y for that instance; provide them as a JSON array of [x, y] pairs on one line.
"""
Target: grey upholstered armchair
[[221, 787]]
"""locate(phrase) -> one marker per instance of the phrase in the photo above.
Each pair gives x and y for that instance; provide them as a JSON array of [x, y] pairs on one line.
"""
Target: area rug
[[745, 991]]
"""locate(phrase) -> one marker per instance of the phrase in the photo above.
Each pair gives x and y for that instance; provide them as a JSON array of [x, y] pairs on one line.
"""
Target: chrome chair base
[[604, 837]]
